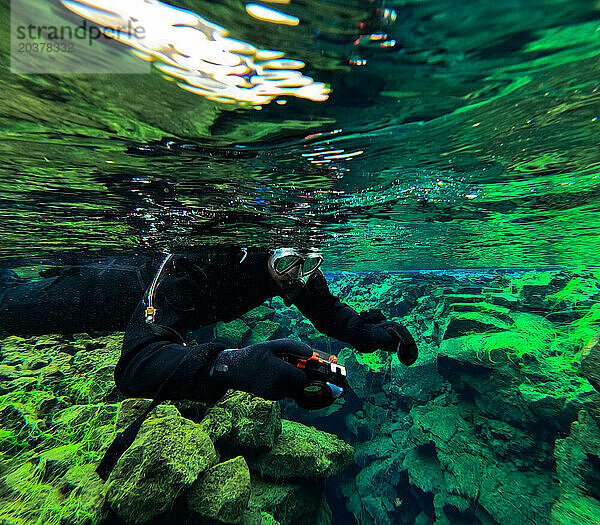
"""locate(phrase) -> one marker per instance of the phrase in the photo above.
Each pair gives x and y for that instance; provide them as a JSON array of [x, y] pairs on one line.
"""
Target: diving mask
[[298, 267]]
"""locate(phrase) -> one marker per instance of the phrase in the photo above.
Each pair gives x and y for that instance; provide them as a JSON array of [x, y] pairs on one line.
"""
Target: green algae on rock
[[251, 517], [222, 492], [290, 503], [33, 494], [217, 423], [164, 460], [577, 458], [261, 331], [255, 422], [232, 333], [303, 452]]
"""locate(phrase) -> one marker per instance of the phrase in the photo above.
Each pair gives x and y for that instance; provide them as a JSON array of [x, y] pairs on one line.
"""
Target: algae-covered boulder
[[80, 368], [415, 384], [17, 424], [31, 494], [577, 459], [36, 362], [378, 485], [260, 313], [131, 408], [464, 323], [590, 366], [256, 517], [288, 503], [58, 460], [501, 472], [303, 452], [261, 331], [166, 457], [222, 492], [576, 508], [80, 415], [217, 422], [232, 333], [96, 363], [255, 422], [84, 495]]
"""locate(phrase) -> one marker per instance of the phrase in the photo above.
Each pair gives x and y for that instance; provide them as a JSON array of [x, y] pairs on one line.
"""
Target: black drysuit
[[193, 291]]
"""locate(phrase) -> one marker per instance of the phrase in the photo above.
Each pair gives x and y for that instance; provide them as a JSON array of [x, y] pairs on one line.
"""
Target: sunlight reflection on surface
[[198, 55]]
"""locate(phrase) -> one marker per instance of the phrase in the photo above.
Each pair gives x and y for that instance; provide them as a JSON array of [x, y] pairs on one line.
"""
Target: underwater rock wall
[[477, 429], [496, 419], [236, 461]]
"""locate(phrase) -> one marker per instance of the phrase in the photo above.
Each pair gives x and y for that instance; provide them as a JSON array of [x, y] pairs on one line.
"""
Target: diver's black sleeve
[[155, 359], [328, 314]]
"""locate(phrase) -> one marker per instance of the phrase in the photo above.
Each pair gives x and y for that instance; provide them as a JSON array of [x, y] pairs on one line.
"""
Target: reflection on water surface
[[468, 139]]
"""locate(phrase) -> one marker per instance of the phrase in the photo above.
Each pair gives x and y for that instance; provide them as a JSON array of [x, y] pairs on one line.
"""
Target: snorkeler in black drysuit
[[158, 300]]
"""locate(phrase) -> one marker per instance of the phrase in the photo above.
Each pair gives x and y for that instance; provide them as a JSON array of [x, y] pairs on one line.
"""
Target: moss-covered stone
[[131, 408], [231, 334], [222, 492], [464, 323], [23, 493], [217, 422], [18, 423], [475, 469], [96, 362], [166, 457], [80, 415], [35, 363], [261, 331], [255, 422], [577, 458], [576, 509], [303, 452], [255, 517], [590, 366], [58, 460], [46, 490], [83, 496], [289, 503], [260, 313]]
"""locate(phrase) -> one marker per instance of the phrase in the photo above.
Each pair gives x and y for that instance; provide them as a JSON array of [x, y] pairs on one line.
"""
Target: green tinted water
[[469, 142]]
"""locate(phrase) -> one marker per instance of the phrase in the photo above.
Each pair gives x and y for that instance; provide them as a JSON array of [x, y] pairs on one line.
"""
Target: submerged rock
[[261, 331], [577, 459], [590, 366], [84, 496], [96, 363], [452, 460], [287, 503], [256, 517], [222, 492], [217, 422], [166, 457], [464, 323], [32, 494], [260, 313], [231, 333], [255, 422], [303, 452]]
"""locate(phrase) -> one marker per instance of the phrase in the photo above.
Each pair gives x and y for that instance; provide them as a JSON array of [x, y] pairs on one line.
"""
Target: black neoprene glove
[[260, 369], [372, 332]]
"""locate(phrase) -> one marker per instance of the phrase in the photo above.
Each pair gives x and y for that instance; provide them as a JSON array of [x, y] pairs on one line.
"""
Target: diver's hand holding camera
[[282, 368], [261, 370]]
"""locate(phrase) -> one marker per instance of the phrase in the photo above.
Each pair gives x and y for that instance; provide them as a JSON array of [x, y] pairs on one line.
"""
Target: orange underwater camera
[[325, 380]]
